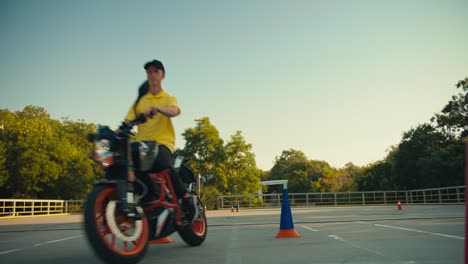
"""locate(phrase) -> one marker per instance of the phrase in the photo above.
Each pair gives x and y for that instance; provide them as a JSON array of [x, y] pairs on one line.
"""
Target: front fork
[[125, 188]]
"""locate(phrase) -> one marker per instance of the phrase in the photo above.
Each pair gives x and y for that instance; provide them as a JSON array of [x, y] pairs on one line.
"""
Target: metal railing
[[27, 207], [424, 196]]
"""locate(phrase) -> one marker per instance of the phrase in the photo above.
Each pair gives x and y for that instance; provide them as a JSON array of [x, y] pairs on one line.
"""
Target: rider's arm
[[169, 111]]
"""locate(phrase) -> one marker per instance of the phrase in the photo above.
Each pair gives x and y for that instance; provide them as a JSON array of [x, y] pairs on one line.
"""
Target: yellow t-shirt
[[159, 127]]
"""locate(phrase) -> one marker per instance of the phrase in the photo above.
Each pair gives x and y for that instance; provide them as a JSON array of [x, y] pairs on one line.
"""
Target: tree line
[[48, 159], [44, 158], [428, 155]]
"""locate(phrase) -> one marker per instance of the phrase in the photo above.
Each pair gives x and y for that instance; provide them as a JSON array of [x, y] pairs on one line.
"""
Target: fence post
[[363, 199], [385, 197], [424, 196], [334, 195], [440, 196]]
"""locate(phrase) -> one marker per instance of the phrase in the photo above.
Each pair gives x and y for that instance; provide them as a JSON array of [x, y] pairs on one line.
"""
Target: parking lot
[[371, 234]]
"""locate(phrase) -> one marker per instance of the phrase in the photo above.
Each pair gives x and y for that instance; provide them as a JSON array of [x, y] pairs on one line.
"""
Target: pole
[[466, 207], [199, 184]]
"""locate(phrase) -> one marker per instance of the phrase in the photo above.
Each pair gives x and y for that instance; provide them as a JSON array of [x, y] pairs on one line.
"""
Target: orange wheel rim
[[120, 247], [198, 227]]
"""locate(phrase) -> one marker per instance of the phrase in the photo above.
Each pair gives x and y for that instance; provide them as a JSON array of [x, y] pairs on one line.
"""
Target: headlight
[[102, 153]]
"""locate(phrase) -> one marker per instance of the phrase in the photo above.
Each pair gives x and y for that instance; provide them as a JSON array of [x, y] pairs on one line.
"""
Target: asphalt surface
[[371, 234]]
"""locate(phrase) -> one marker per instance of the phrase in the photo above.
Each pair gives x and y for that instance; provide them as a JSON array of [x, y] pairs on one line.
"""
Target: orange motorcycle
[[120, 224]]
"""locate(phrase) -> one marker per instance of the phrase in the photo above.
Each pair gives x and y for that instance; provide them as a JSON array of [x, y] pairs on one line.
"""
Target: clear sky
[[340, 80]]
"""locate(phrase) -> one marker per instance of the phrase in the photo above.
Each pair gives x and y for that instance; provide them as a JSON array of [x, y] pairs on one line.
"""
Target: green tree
[[285, 161], [453, 118], [423, 158], [303, 175], [375, 176], [39, 153], [225, 168], [30, 138], [443, 166], [345, 178], [4, 175], [203, 147], [429, 155], [240, 166], [78, 171], [7, 119], [288, 165]]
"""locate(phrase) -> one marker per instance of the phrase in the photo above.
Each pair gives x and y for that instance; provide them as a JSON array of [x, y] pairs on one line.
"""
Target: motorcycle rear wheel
[[195, 232], [114, 238]]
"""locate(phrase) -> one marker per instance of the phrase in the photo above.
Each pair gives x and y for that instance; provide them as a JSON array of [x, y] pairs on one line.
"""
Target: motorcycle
[[119, 224]]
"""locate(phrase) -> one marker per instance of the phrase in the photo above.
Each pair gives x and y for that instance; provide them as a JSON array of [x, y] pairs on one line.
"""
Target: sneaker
[[190, 207]]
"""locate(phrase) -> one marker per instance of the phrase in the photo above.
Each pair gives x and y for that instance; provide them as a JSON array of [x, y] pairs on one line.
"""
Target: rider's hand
[[150, 112]]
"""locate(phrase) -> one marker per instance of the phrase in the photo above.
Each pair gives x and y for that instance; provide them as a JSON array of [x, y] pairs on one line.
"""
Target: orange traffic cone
[[399, 206], [163, 240], [286, 223]]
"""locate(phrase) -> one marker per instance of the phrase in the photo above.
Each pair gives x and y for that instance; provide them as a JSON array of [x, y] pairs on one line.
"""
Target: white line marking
[[55, 241], [10, 251], [356, 246], [310, 228], [37, 245], [336, 237], [347, 242], [359, 222], [420, 231]]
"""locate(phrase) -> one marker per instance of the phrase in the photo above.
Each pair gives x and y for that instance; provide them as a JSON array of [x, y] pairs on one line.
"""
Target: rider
[[160, 107]]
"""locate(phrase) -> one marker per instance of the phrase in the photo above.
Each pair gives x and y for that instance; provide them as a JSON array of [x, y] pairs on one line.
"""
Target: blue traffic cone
[[286, 224]]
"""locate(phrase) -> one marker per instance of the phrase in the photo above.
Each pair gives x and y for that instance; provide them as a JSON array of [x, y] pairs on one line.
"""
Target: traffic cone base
[[287, 233], [163, 240]]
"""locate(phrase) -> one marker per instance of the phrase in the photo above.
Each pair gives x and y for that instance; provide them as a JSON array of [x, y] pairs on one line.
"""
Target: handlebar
[[123, 131], [127, 127], [141, 118]]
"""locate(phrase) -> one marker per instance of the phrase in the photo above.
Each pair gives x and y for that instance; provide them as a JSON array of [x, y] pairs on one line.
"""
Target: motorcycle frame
[[163, 178]]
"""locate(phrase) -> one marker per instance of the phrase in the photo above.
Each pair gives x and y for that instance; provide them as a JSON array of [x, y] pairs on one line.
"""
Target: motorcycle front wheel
[[113, 236], [195, 232]]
